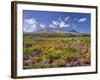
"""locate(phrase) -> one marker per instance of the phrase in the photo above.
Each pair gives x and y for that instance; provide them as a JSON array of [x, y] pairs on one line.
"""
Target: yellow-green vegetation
[[45, 52]]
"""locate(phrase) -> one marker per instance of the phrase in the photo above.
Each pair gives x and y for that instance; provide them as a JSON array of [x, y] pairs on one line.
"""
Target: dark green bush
[[26, 51], [71, 50], [67, 56]]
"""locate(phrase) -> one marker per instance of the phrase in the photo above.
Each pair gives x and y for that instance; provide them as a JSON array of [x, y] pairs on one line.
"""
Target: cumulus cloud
[[63, 24], [82, 19], [66, 18], [55, 23], [31, 21], [52, 26], [42, 25], [30, 25]]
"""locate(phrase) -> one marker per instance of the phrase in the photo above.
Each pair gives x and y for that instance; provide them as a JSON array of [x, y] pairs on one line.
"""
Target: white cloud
[[62, 24], [30, 25], [66, 18], [42, 26], [30, 21], [59, 23], [82, 19], [52, 26], [56, 23]]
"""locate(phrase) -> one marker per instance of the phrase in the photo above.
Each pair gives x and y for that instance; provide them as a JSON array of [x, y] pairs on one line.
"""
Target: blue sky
[[37, 20]]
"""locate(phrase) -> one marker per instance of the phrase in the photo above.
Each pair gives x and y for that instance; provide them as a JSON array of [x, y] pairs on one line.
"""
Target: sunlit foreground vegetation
[[51, 52]]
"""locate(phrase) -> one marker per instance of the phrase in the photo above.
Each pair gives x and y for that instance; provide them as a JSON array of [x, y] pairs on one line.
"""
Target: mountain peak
[[73, 31]]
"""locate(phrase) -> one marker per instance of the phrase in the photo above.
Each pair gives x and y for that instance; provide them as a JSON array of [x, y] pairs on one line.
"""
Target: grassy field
[[50, 52]]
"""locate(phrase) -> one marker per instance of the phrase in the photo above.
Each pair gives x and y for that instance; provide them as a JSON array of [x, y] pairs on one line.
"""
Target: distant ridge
[[57, 32]]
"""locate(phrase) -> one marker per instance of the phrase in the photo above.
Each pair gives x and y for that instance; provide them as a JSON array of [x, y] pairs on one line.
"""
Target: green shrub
[[71, 50], [69, 57], [57, 63], [87, 55], [37, 49], [36, 59], [86, 41], [47, 56], [55, 54], [26, 51]]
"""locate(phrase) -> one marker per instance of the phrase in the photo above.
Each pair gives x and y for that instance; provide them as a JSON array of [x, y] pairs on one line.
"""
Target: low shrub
[[36, 59], [26, 51], [57, 63], [37, 65], [87, 55], [55, 54]]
